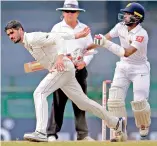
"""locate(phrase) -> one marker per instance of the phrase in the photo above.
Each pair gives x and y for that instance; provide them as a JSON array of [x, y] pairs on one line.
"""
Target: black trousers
[[57, 112]]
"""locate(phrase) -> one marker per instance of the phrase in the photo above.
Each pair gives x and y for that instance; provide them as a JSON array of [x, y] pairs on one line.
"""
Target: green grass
[[80, 143]]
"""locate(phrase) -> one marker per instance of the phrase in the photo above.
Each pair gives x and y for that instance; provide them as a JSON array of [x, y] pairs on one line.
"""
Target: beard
[[17, 41], [129, 24], [133, 20]]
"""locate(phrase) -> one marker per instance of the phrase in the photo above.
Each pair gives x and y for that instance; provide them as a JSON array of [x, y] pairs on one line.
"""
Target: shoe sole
[[34, 140]]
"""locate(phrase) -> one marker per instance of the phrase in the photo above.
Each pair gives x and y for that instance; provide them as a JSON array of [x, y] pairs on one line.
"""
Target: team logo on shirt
[[139, 38]]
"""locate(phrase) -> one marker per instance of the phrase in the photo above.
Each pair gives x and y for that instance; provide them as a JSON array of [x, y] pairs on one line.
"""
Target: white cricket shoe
[[144, 131], [36, 137], [88, 138], [51, 138], [120, 131]]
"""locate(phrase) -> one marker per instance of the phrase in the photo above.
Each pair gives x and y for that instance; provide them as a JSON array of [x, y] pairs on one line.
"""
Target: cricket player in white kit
[[132, 67], [61, 75]]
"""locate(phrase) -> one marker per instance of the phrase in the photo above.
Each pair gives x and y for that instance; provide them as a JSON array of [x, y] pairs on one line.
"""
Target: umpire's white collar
[[64, 24]]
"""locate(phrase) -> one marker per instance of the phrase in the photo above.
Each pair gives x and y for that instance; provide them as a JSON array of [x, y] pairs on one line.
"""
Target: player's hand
[[100, 40], [83, 33], [80, 65], [59, 65]]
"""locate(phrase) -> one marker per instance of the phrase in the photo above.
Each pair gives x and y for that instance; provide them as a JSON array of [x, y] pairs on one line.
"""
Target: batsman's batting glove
[[99, 39]]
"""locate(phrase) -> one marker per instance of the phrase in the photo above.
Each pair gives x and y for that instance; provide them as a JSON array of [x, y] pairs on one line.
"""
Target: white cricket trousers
[[67, 82], [139, 75]]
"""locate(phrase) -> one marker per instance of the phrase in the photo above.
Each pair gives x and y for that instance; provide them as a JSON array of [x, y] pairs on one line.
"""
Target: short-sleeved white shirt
[[71, 45], [137, 38]]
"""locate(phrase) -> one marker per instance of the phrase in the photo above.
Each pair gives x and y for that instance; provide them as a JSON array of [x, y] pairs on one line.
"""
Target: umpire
[[71, 24]]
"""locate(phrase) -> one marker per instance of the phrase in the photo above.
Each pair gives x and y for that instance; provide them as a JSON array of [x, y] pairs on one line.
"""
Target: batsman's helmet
[[136, 9]]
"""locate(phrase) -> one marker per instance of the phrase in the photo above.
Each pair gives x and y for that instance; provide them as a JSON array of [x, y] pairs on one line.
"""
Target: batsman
[[132, 67]]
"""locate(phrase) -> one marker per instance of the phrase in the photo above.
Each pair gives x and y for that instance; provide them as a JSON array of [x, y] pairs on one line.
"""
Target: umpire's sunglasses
[[70, 11]]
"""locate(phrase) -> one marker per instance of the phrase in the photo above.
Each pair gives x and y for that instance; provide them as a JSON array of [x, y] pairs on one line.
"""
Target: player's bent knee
[[37, 94], [142, 113], [116, 102], [141, 95]]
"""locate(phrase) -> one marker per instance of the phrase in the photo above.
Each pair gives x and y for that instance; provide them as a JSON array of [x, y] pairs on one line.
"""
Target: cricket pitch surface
[[80, 143]]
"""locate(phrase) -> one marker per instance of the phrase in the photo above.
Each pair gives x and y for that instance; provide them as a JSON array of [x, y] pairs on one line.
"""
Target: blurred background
[[17, 107]]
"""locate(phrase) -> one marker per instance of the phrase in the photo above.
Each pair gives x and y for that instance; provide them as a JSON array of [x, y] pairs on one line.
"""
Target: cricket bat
[[32, 67]]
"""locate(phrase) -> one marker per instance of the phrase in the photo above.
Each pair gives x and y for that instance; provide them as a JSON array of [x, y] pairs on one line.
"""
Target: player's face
[[130, 19], [70, 16], [14, 35], [127, 18]]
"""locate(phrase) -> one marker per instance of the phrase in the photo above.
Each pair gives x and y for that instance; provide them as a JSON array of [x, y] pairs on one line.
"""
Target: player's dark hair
[[13, 24]]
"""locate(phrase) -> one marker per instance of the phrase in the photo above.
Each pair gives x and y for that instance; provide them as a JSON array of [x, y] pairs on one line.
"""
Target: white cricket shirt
[[137, 38], [41, 46]]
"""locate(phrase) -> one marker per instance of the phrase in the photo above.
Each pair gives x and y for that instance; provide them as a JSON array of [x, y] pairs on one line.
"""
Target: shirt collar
[[24, 38], [137, 28], [64, 24]]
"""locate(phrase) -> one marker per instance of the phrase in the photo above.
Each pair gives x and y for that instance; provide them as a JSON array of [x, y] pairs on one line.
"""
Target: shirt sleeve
[[140, 41], [87, 59], [114, 31]]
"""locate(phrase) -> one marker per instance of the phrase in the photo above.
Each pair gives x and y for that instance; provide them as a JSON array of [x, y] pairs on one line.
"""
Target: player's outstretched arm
[[67, 36], [114, 48]]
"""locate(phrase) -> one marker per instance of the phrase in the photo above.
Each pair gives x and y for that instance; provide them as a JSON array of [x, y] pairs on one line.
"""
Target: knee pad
[[116, 106], [116, 103], [117, 93], [142, 113]]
